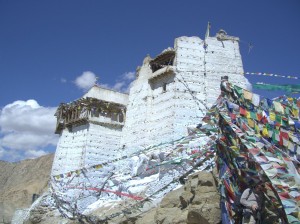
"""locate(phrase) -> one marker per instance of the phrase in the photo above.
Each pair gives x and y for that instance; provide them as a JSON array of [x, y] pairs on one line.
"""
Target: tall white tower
[[173, 90], [102, 132], [90, 130]]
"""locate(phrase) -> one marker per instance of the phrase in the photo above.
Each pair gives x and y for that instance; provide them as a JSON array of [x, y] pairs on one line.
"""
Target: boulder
[[198, 201]]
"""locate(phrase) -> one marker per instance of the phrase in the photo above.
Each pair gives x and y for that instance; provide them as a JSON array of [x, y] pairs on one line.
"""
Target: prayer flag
[[284, 121], [278, 118], [248, 114], [278, 107], [259, 116], [251, 123], [238, 90], [284, 134], [285, 142], [295, 112], [243, 111], [265, 132], [272, 116], [247, 95], [255, 99]]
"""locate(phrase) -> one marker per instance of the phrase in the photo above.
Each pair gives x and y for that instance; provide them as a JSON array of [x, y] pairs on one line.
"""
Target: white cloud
[[1, 152], [119, 85], [35, 153], [123, 83], [129, 76], [86, 80], [25, 129], [63, 80], [26, 141]]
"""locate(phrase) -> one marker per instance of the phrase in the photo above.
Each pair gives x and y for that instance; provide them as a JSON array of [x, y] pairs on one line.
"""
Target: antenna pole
[[207, 30]]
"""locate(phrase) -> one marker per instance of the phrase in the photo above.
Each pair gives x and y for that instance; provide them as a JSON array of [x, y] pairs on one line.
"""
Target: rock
[[172, 200], [198, 201], [206, 212], [147, 218], [170, 216]]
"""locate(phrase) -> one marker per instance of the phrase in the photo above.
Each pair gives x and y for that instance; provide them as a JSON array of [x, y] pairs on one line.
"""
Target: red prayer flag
[[284, 135], [233, 116], [243, 111], [259, 116]]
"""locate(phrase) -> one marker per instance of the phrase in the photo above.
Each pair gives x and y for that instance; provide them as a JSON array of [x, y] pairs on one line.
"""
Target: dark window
[[114, 116], [164, 87], [121, 118], [162, 60]]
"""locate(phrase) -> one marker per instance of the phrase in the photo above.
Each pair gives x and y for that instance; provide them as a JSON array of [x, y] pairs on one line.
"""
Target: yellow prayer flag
[[265, 132], [248, 115], [234, 148], [295, 112], [257, 129], [272, 116], [251, 123], [233, 141]]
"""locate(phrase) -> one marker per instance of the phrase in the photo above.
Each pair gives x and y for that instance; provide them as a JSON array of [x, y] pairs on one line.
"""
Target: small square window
[[164, 87]]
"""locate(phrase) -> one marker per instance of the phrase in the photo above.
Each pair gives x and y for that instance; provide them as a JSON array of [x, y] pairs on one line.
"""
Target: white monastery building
[[170, 92]]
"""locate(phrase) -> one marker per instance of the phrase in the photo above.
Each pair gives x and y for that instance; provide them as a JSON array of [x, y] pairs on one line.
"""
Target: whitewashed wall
[[93, 143], [103, 144], [70, 149], [85, 146], [154, 116], [136, 128]]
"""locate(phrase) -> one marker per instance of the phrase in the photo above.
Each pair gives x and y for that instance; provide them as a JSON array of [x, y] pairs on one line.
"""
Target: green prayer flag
[[285, 121], [253, 115], [287, 111], [274, 136], [288, 87], [238, 90], [278, 118]]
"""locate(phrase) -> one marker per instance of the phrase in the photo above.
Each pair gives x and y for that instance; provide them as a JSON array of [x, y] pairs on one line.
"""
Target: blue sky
[[48, 47]]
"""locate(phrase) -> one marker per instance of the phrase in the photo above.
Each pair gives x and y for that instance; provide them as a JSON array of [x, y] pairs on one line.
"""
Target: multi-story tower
[[101, 133], [90, 130], [173, 90]]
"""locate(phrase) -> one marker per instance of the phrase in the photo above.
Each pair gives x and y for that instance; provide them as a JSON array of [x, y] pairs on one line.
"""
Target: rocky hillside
[[197, 201], [20, 181]]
